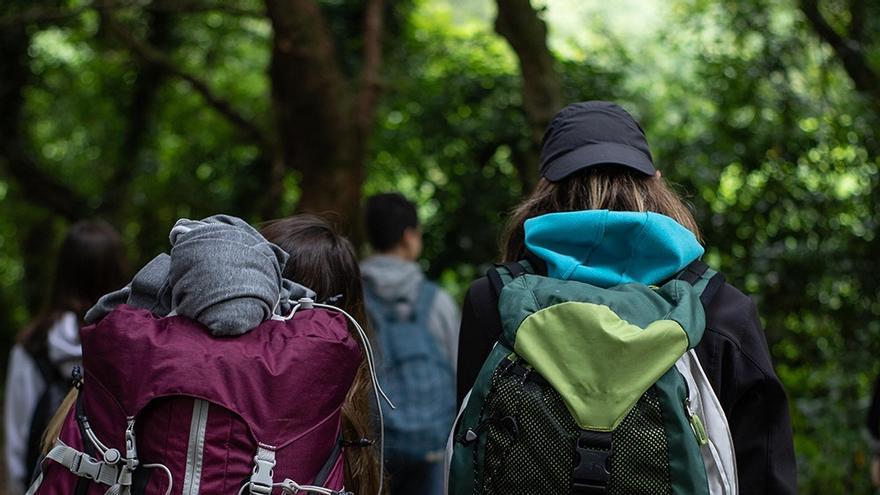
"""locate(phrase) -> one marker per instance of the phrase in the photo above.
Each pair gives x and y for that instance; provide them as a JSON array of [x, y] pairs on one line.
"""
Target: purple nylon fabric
[[282, 378], [57, 480], [162, 436], [229, 444], [282, 384]]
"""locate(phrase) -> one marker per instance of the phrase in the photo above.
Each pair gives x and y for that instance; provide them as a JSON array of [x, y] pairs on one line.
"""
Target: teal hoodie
[[607, 248]]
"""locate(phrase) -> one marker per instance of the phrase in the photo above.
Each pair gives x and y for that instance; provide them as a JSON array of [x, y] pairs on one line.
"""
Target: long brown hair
[[612, 188], [90, 263], [325, 261]]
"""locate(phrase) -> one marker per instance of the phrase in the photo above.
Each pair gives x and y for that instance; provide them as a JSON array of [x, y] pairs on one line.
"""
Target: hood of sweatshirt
[[65, 349], [607, 248], [391, 278]]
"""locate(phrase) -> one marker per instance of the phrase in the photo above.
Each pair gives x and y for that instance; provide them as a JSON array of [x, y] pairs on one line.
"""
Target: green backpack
[[594, 391]]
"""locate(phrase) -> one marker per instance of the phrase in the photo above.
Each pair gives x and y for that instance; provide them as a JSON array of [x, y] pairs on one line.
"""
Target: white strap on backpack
[[718, 453]]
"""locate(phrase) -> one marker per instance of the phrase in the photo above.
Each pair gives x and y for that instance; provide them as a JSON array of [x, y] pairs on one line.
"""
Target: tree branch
[[153, 56], [849, 52], [48, 16], [526, 33], [139, 110], [370, 85], [858, 10]]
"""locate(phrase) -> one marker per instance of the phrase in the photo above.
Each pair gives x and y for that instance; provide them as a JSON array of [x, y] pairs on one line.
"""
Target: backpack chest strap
[[594, 449], [261, 479], [84, 465]]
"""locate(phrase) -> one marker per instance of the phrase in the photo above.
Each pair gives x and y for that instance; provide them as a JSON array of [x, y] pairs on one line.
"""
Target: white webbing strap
[[84, 465], [35, 486], [290, 487], [261, 481]]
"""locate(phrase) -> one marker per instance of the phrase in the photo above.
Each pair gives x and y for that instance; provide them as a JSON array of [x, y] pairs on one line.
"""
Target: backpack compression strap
[[697, 272], [502, 273]]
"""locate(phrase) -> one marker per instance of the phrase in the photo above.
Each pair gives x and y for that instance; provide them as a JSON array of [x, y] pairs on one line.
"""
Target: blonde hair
[[599, 188], [53, 429]]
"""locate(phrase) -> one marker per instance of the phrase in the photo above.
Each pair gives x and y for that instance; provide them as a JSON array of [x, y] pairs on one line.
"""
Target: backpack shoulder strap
[[386, 312], [425, 300], [503, 273], [706, 280]]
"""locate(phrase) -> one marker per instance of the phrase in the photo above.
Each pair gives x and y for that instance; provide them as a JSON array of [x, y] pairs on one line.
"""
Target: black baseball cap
[[592, 133]]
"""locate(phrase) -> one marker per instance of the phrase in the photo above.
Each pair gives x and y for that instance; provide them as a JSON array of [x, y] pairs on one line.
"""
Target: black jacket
[[736, 359]]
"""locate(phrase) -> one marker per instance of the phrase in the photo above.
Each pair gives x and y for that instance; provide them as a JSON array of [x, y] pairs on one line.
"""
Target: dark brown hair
[[387, 218], [90, 263], [598, 188], [325, 261]]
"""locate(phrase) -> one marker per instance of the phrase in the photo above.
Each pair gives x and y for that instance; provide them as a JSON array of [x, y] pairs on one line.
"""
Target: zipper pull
[[696, 424]]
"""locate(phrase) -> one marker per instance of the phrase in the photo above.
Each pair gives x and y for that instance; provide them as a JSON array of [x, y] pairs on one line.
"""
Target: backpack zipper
[[696, 424], [196, 447]]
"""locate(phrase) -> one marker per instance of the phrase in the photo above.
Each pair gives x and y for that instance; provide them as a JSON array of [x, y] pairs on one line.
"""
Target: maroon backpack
[[165, 407]]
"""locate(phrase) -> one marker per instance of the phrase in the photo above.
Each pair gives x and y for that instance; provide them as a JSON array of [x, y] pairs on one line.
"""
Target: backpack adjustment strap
[[84, 465], [131, 458], [594, 448], [261, 479]]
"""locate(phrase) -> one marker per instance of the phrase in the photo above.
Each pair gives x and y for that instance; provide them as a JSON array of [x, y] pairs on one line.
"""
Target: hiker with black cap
[[601, 355]]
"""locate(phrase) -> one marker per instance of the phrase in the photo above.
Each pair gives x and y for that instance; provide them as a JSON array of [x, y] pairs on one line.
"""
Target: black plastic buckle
[[591, 474], [76, 377]]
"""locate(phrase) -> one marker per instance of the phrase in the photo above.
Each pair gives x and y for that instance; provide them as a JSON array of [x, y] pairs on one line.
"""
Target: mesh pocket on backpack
[[640, 464], [530, 441], [530, 437]]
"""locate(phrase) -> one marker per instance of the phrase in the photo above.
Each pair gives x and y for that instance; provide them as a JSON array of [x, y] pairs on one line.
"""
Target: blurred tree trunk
[[849, 47], [139, 108], [519, 24], [33, 184], [323, 119]]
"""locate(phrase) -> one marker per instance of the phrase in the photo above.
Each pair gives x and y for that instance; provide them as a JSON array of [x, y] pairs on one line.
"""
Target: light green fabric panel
[[599, 363], [636, 303]]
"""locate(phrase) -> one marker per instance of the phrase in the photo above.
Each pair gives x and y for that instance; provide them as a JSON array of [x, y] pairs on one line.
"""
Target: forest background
[[766, 113]]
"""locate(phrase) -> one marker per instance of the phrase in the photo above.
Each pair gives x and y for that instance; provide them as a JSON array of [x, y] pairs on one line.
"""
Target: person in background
[[417, 327], [90, 263]]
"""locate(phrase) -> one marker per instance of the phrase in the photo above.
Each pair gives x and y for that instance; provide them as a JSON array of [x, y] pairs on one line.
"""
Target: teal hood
[[607, 248]]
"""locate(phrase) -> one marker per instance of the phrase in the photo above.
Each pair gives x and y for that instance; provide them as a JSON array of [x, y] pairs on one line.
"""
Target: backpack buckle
[[594, 448], [261, 480], [87, 467]]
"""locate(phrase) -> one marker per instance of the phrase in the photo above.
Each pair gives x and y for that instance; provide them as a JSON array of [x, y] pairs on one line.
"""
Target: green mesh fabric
[[535, 451], [640, 464], [530, 441]]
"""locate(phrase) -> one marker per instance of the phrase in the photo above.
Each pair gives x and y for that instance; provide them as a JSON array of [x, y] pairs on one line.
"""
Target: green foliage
[[744, 107]]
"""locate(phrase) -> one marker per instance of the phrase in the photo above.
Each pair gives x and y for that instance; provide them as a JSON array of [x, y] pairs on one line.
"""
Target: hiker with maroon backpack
[[211, 373], [91, 261], [602, 356]]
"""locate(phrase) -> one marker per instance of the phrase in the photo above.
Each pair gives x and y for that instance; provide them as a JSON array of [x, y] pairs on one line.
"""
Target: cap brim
[[593, 155]]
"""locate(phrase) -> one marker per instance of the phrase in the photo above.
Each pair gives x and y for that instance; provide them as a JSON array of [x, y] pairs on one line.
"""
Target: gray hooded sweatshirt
[[394, 279], [221, 272]]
